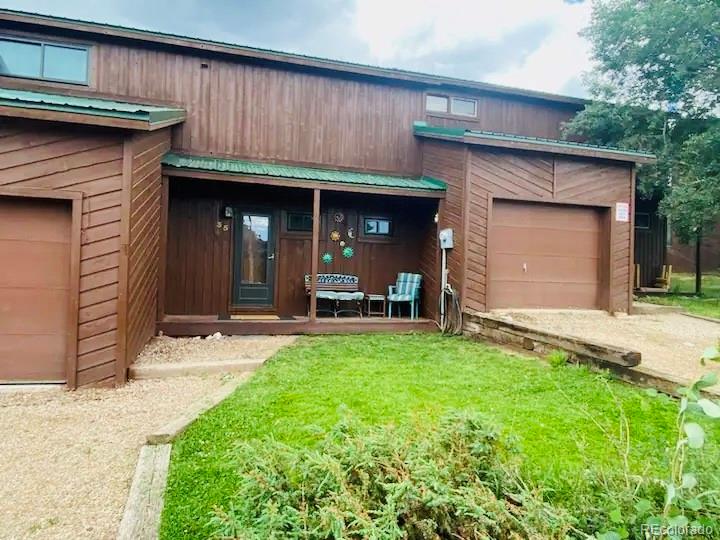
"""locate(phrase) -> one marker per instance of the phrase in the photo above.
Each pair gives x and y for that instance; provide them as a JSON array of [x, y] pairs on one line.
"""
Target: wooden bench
[[336, 288]]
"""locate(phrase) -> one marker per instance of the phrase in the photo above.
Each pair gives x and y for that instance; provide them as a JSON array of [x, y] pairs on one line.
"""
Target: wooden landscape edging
[[529, 338], [624, 363], [141, 517]]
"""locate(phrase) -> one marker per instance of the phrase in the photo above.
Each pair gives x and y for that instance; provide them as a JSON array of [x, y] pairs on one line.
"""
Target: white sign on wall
[[622, 212]]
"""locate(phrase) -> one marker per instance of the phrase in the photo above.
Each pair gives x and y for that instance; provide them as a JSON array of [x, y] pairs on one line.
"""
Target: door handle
[[271, 257]]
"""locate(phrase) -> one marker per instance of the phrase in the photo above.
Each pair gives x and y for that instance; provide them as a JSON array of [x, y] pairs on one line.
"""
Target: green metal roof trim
[[440, 79], [90, 106], [422, 128], [254, 168]]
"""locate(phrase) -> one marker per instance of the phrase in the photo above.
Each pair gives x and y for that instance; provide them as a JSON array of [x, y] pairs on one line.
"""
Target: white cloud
[[399, 30]]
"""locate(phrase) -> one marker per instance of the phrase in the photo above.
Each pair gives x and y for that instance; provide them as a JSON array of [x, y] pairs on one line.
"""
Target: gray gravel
[[669, 342], [164, 349], [68, 457]]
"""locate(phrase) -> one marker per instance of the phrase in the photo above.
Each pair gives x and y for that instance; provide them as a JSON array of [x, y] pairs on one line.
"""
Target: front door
[[254, 259]]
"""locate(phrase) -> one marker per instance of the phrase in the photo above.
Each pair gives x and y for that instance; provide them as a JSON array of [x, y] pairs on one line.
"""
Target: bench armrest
[[391, 289]]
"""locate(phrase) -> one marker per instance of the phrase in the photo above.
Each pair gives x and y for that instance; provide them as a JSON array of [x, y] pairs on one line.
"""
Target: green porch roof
[[492, 138], [254, 168], [46, 101]]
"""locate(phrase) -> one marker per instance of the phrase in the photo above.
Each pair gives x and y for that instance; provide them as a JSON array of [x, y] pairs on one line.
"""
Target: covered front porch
[[242, 253]]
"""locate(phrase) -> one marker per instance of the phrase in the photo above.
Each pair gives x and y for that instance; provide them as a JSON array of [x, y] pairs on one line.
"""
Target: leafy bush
[[457, 481], [557, 358]]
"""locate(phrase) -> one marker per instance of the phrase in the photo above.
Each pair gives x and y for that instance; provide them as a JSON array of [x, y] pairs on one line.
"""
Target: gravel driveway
[[68, 458], [669, 342]]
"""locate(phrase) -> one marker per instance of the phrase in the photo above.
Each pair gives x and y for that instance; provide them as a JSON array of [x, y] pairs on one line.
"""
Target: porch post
[[315, 254]]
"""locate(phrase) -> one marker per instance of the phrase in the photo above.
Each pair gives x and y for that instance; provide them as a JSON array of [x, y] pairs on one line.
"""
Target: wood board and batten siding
[[590, 188], [269, 114], [98, 167]]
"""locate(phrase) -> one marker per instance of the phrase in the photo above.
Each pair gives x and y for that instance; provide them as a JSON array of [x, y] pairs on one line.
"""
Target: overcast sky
[[525, 43]]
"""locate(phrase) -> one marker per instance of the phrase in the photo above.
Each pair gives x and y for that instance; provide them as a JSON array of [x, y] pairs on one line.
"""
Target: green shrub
[[457, 481], [557, 358]]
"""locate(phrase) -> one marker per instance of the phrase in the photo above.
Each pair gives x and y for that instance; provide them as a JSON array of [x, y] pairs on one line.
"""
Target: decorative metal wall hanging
[[339, 217], [348, 252], [351, 232], [327, 258], [335, 236]]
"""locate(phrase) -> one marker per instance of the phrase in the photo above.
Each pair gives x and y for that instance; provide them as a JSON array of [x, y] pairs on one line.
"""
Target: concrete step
[[192, 369]]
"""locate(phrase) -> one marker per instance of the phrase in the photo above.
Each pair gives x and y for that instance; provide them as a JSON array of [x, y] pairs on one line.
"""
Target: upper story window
[[451, 105], [44, 60], [463, 107], [436, 103]]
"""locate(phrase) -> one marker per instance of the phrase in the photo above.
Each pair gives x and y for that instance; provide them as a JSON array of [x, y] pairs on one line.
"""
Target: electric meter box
[[446, 238]]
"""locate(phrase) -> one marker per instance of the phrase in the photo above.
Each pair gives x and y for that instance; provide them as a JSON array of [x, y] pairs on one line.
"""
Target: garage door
[[34, 289], [545, 256]]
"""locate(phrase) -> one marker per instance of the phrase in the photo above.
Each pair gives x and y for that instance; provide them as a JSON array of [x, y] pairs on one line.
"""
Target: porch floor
[[189, 325]]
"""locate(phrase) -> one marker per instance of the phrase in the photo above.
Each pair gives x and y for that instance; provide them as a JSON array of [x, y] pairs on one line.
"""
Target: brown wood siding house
[[189, 186]]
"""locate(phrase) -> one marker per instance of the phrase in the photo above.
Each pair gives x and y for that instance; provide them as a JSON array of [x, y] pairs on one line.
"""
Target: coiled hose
[[449, 300]]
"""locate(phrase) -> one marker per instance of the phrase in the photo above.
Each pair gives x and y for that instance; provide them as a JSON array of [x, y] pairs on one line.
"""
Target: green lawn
[[708, 304], [414, 378]]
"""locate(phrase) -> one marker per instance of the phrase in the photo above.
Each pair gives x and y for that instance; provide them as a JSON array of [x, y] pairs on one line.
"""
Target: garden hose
[[449, 304]]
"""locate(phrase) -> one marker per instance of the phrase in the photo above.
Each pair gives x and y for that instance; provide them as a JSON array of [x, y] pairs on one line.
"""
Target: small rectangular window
[[377, 226], [299, 222], [463, 107], [20, 59], [642, 220], [40, 60], [65, 63], [436, 104]]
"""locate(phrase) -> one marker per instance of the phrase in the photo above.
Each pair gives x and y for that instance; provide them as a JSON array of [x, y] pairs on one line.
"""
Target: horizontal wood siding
[[446, 161], [144, 238], [521, 176], [499, 174], [595, 182], [33, 155]]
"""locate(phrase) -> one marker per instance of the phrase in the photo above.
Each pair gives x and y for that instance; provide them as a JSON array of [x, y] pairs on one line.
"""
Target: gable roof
[[85, 110], [325, 178], [538, 144], [206, 45]]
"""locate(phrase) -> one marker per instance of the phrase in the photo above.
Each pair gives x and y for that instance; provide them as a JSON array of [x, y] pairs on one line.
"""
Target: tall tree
[[656, 84]]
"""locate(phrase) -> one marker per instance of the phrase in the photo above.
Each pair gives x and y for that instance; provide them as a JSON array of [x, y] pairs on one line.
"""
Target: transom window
[[299, 222], [377, 226], [451, 105], [59, 62]]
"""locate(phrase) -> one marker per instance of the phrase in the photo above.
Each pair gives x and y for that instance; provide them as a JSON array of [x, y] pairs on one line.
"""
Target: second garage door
[[34, 289], [545, 256]]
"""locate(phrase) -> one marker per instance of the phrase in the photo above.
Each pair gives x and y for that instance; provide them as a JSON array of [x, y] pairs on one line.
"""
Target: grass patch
[[707, 304], [415, 379]]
